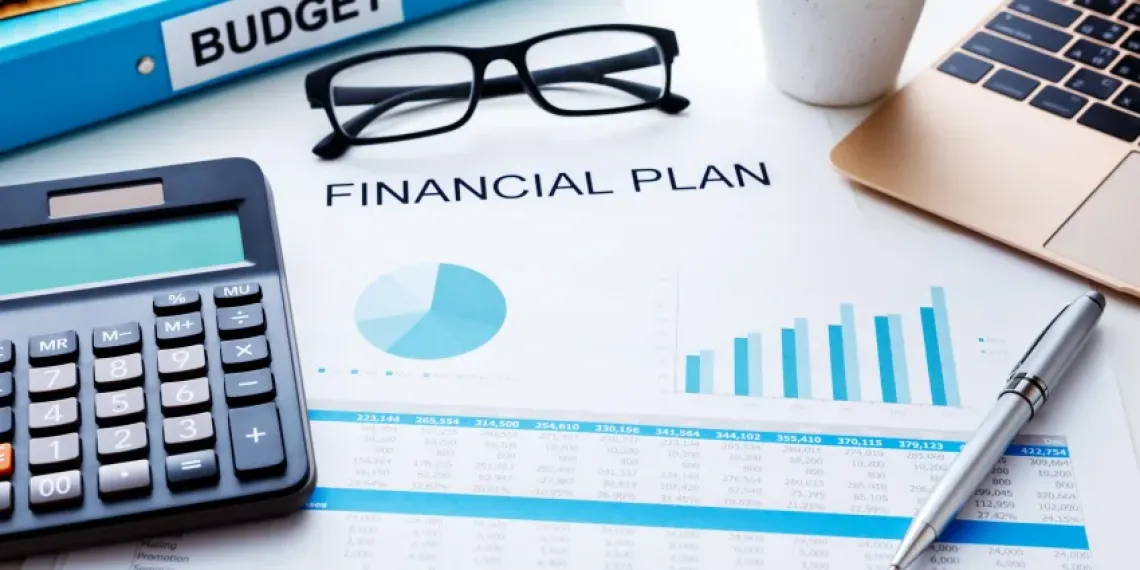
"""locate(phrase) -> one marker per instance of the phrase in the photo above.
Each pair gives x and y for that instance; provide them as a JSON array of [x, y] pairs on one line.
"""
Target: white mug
[[837, 53]]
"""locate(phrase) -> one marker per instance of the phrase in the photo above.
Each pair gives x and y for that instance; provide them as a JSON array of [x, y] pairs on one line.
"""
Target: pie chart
[[431, 311]]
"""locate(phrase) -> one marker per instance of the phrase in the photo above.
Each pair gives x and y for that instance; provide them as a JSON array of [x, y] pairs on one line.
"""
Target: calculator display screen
[[120, 252]]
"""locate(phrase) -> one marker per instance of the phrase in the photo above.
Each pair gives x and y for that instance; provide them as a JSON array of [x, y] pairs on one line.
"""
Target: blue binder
[[74, 66]]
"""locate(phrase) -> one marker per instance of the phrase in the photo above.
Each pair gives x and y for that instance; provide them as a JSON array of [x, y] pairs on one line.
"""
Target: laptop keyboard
[[1077, 60]]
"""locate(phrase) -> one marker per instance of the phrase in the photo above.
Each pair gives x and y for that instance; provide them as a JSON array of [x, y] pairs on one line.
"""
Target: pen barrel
[[1046, 362], [976, 461]]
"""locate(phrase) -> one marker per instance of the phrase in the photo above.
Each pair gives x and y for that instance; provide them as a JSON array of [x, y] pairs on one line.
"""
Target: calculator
[[149, 378]]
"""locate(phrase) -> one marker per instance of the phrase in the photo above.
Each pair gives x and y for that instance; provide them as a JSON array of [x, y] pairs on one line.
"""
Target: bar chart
[[846, 378]]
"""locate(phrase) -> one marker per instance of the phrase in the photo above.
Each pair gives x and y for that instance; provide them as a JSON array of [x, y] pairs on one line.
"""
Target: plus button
[[255, 435]]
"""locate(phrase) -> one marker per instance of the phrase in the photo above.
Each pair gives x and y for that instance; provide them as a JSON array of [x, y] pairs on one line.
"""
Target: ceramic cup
[[837, 53]]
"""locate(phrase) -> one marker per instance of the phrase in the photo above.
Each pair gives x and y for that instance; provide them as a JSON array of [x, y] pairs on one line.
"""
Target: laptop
[[1026, 131]]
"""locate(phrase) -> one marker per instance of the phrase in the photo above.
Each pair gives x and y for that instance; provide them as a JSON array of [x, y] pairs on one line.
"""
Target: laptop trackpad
[[1104, 234]]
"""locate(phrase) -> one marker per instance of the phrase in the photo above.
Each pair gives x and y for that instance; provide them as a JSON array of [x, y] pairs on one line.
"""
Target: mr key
[[157, 390]]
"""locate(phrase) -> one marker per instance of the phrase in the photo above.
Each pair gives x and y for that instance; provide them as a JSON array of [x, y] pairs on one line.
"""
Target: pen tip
[[1096, 297]]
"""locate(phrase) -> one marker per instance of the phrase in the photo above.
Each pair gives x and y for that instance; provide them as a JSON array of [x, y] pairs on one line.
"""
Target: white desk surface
[[720, 46]]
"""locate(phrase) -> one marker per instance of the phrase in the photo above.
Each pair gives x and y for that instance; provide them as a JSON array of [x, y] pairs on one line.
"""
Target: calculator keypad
[[124, 397]]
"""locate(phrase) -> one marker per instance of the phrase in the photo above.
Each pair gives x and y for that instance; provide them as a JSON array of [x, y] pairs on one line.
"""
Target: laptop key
[[1132, 44], [1101, 29], [1030, 32], [1018, 57], [1047, 11], [1092, 54], [1059, 102], [1010, 84], [1128, 68], [1106, 7], [1131, 15], [965, 67], [1094, 84], [1111, 122], [1129, 99]]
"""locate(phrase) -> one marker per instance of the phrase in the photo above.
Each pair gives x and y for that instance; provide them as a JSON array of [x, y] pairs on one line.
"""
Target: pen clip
[[1037, 340]]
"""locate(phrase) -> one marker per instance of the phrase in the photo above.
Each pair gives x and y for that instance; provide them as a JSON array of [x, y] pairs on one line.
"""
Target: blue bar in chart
[[945, 349], [850, 352], [740, 367], [706, 372], [803, 360], [838, 366], [788, 350], [887, 380], [933, 357], [692, 374], [755, 366], [898, 354]]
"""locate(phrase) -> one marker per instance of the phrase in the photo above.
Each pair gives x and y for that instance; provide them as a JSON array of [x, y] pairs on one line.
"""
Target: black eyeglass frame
[[319, 83]]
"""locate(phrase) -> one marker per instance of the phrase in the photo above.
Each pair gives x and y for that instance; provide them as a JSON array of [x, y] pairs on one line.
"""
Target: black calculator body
[[148, 372]]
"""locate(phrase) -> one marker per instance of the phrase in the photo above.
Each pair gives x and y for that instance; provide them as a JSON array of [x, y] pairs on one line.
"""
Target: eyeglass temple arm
[[588, 72]]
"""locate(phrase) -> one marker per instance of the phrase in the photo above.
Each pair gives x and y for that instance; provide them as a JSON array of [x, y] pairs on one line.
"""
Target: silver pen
[[1030, 384]]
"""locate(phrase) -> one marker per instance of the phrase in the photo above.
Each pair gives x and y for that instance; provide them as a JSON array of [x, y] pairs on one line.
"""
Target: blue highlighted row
[[786, 438], [872, 527]]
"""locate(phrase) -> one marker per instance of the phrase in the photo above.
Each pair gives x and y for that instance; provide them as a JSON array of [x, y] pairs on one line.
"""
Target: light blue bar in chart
[[850, 353], [706, 372], [740, 366], [755, 366], [945, 347], [803, 360], [898, 353]]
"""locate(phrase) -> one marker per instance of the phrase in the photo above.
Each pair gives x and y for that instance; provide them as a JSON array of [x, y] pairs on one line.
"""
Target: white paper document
[[668, 379]]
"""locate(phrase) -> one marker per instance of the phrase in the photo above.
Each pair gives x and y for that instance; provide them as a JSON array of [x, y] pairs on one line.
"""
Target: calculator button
[[57, 348], [5, 499], [245, 354], [124, 479], [55, 489], [118, 372], [180, 330], [120, 407], [7, 355], [240, 294], [186, 396], [6, 460], [177, 303], [246, 388], [48, 454], [6, 388], [53, 382], [182, 362], [118, 443], [192, 469], [118, 339], [188, 431], [6, 424], [53, 417], [256, 436], [239, 322]]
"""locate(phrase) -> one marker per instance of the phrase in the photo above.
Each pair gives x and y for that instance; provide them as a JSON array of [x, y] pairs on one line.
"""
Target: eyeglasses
[[409, 93]]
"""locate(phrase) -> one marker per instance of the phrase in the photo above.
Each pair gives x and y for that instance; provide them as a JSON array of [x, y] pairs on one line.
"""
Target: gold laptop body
[[1027, 131]]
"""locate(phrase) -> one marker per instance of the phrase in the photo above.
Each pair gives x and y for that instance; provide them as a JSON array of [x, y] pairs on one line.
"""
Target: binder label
[[233, 36]]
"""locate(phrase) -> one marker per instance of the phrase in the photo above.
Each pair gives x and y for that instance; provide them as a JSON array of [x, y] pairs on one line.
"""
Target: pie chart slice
[[429, 312]]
